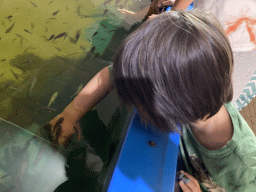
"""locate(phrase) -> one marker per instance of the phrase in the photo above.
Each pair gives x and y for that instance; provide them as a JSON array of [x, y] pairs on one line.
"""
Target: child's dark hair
[[176, 68]]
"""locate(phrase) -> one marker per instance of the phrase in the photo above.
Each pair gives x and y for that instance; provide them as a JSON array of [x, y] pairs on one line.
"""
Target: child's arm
[[181, 4], [60, 130]]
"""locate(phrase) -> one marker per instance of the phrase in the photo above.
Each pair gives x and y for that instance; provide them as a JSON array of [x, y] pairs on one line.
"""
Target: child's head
[[176, 68]]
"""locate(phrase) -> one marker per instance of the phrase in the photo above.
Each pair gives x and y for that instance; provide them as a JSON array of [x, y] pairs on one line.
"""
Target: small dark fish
[[72, 40], [3, 60], [9, 29], [89, 54], [78, 35], [27, 31], [46, 29], [47, 109], [60, 35], [32, 25], [107, 2], [112, 31], [2, 74], [18, 35], [103, 39], [55, 13], [9, 17], [65, 23], [15, 75], [7, 84], [33, 3], [50, 2], [85, 16], [78, 10], [104, 26], [82, 47], [105, 12], [58, 48], [51, 18], [28, 49], [3, 23], [21, 43], [51, 38], [94, 34]]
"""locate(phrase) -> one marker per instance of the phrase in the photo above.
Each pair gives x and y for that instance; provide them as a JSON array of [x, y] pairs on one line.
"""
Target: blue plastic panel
[[141, 167]]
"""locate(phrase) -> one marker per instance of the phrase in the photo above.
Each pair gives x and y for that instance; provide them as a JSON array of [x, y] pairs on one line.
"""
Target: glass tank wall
[[49, 50]]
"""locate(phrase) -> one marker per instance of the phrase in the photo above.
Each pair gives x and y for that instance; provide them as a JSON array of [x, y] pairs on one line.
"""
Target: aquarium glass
[[49, 50]]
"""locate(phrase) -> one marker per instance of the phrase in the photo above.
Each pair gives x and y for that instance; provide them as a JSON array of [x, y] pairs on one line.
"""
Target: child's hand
[[61, 129], [163, 3], [189, 184], [152, 16]]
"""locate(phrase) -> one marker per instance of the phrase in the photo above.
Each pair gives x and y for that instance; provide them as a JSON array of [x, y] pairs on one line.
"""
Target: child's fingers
[[184, 187], [193, 179]]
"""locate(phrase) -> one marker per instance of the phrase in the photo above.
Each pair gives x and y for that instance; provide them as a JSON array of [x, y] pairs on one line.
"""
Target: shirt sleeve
[[111, 74]]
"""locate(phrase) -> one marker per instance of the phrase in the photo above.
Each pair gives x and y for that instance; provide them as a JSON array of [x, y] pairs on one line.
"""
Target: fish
[[47, 109], [55, 13], [10, 28], [78, 35], [18, 35], [3, 23], [21, 42], [2, 74], [9, 17], [3, 60], [89, 54], [78, 90], [15, 75], [60, 35], [72, 40], [58, 48], [27, 31], [107, 2], [50, 38], [28, 49], [82, 47], [78, 10], [7, 84], [32, 25], [32, 85], [103, 39], [94, 34], [104, 26], [85, 16], [54, 96], [112, 30], [105, 12], [33, 3]]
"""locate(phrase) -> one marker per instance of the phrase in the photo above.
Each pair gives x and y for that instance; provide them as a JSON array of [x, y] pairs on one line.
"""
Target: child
[[177, 68], [238, 20]]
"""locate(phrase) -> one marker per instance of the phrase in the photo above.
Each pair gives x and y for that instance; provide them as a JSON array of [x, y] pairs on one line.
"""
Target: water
[[48, 49]]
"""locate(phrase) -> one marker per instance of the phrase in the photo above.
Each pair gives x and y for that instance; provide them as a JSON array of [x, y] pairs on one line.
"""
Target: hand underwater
[[61, 129]]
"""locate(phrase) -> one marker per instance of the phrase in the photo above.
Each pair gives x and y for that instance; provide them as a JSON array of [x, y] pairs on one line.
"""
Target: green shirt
[[231, 168]]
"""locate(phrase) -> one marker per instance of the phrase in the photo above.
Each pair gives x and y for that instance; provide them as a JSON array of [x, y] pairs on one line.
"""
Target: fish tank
[[49, 50]]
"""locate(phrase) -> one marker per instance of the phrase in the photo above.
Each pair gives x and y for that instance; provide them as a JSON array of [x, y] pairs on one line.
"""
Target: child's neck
[[215, 132]]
